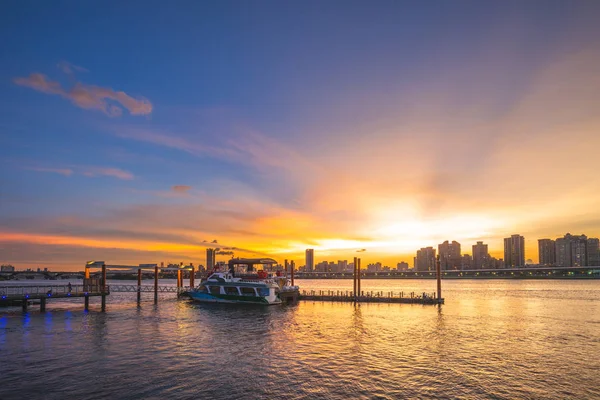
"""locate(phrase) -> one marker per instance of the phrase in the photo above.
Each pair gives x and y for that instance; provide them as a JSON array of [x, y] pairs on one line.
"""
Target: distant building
[[210, 259], [481, 257], [376, 267], [514, 251], [593, 252], [310, 260], [425, 259], [402, 266], [467, 261], [547, 251], [7, 268], [572, 250], [450, 255]]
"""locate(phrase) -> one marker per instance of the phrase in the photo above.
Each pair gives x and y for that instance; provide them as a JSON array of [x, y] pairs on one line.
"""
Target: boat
[[240, 282]]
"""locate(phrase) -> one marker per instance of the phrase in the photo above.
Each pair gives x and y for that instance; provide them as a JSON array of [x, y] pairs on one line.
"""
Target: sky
[[145, 131]]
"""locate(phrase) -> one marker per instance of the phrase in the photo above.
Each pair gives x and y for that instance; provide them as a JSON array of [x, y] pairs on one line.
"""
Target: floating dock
[[371, 297]]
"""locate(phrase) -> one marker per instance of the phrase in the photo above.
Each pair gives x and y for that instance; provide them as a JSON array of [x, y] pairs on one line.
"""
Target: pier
[[25, 295], [92, 287], [370, 297]]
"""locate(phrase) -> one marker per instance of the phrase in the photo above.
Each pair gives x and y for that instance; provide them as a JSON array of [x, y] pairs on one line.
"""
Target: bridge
[[506, 273]]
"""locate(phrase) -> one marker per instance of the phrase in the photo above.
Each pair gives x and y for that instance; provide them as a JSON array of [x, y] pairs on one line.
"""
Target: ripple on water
[[494, 339]]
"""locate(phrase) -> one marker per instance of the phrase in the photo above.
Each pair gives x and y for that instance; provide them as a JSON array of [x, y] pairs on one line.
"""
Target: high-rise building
[[450, 256], [467, 261], [310, 260], [579, 252], [481, 256], [514, 251], [593, 252], [571, 250], [210, 259], [425, 259], [402, 266], [547, 251]]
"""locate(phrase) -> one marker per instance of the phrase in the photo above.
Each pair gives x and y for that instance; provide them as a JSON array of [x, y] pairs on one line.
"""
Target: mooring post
[[192, 276], [293, 266], [103, 307], [354, 277], [24, 305], [43, 304], [86, 304], [156, 284], [178, 280], [438, 274], [358, 285], [139, 288]]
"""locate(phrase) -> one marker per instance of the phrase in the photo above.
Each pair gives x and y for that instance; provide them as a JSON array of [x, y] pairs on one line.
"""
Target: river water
[[501, 339]]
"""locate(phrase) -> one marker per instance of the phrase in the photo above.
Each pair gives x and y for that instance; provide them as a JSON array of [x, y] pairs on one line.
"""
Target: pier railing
[[146, 288], [8, 292], [372, 296]]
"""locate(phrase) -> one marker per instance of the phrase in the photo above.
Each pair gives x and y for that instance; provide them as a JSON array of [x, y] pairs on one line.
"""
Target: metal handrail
[[11, 291]]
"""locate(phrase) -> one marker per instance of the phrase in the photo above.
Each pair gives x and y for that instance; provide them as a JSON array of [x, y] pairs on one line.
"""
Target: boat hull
[[231, 299]]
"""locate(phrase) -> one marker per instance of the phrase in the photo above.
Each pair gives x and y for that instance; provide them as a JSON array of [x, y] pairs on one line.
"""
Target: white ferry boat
[[239, 283]]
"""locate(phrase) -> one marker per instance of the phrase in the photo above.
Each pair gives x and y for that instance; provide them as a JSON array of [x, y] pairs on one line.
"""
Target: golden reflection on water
[[501, 339]]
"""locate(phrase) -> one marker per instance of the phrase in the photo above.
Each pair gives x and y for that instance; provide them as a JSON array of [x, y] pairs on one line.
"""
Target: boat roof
[[251, 261]]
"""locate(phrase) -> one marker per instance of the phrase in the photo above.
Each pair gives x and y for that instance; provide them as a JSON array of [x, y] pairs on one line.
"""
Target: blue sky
[[134, 127]]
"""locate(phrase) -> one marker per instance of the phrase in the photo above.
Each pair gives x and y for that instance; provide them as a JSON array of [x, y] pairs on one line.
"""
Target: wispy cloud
[[69, 68], [113, 172], [181, 188], [61, 171], [89, 97], [88, 171], [173, 141]]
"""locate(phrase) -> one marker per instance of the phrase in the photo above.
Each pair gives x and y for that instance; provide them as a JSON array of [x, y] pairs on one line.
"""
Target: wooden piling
[[156, 284], [103, 306], [24, 305], [178, 279], [192, 276], [358, 275], [354, 292], [42, 304], [438, 274], [86, 304], [139, 286], [293, 266]]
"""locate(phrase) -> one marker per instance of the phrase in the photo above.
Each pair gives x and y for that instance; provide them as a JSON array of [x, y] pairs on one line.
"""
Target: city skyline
[[269, 129]]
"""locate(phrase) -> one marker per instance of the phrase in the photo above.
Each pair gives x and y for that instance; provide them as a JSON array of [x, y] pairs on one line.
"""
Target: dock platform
[[371, 297], [23, 295]]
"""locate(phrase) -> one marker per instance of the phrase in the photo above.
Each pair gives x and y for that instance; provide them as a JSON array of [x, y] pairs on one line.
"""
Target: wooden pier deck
[[25, 294], [371, 297]]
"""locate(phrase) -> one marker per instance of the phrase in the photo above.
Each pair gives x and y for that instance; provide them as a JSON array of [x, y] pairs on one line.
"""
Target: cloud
[[175, 142], [61, 171], [181, 188], [89, 97], [113, 172], [40, 83], [87, 171], [69, 68]]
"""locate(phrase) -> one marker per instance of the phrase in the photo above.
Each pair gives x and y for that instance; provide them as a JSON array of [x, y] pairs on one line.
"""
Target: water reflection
[[484, 342]]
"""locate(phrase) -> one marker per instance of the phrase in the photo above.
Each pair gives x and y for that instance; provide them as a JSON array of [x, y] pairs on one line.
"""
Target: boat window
[[248, 291], [231, 290], [263, 291], [215, 289], [203, 289]]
